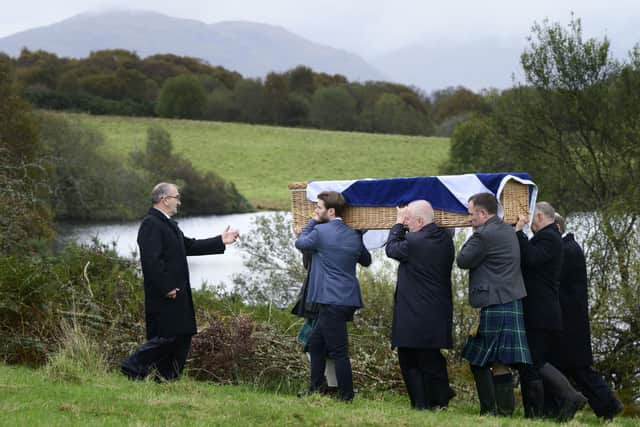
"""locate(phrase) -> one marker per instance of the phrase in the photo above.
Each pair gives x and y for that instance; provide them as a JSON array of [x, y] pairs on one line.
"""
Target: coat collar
[[551, 227], [429, 228], [494, 220], [156, 213]]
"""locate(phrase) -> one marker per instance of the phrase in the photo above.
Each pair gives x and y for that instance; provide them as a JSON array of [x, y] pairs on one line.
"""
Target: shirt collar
[[162, 212]]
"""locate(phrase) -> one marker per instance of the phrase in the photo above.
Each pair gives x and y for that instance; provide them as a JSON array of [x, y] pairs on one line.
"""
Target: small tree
[[393, 115], [276, 89], [201, 193], [182, 97], [250, 100], [221, 106], [301, 80], [333, 108], [23, 214], [275, 272]]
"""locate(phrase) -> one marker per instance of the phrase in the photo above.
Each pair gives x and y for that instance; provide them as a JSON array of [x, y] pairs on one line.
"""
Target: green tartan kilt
[[501, 337]]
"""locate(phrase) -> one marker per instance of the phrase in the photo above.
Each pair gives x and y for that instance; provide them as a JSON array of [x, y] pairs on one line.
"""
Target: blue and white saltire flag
[[448, 193]]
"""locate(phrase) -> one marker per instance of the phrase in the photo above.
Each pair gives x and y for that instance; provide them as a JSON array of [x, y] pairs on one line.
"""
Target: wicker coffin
[[514, 200]]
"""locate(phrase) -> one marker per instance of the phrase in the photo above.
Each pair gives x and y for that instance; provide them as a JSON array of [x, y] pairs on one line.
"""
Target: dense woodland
[[119, 82]]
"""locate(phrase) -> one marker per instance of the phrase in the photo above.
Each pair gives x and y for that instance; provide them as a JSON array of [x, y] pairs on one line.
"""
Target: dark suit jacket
[[336, 249], [541, 259], [492, 255], [163, 254], [574, 347], [423, 309]]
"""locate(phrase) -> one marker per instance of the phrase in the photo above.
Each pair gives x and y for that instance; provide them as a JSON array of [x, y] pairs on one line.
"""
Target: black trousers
[[329, 336], [424, 371], [593, 386], [429, 361], [541, 347], [166, 355]]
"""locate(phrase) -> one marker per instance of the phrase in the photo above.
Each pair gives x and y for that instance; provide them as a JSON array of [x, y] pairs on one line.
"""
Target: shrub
[[182, 97], [274, 266], [222, 347], [201, 193], [89, 285], [85, 184]]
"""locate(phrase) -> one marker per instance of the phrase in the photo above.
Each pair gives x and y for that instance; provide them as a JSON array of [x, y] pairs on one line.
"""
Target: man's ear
[[331, 212]]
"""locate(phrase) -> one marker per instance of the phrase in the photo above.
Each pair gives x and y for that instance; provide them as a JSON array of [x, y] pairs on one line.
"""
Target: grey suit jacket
[[336, 249], [492, 256]]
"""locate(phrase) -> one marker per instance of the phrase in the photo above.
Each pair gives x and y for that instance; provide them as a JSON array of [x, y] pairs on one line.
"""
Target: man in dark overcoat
[[572, 352], [541, 259], [169, 314], [423, 308]]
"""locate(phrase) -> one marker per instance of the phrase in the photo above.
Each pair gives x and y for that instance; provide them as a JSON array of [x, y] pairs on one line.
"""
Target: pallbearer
[[496, 287], [422, 311], [336, 248]]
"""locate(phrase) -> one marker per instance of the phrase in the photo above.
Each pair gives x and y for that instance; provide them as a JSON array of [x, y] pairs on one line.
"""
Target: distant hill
[[252, 49], [476, 64]]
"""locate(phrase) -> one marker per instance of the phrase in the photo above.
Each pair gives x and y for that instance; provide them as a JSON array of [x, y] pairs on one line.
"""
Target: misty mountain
[[252, 49], [483, 62], [475, 64]]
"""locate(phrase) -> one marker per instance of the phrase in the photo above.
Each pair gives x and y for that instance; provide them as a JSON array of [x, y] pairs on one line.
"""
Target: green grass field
[[262, 160], [30, 398]]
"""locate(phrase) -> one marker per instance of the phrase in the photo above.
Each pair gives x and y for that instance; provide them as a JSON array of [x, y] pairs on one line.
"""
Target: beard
[[323, 218]]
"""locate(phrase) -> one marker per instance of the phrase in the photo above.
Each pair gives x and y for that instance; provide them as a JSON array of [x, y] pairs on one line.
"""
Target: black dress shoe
[[614, 410]]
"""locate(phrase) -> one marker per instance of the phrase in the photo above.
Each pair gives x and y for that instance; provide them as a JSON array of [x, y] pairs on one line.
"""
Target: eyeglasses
[[177, 197]]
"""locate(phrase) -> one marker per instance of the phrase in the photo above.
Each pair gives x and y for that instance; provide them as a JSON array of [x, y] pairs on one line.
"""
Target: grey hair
[[422, 209], [546, 210], [161, 190], [560, 222]]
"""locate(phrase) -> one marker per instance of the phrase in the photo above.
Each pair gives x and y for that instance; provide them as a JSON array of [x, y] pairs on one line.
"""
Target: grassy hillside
[[31, 398], [262, 160]]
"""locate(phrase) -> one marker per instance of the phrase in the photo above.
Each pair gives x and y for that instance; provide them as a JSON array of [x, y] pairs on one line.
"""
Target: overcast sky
[[366, 27]]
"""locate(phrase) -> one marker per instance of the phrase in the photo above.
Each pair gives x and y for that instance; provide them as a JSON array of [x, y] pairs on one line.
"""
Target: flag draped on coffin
[[448, 192]]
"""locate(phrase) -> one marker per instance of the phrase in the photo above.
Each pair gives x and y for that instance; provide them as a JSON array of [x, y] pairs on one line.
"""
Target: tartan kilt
[[501, 337]]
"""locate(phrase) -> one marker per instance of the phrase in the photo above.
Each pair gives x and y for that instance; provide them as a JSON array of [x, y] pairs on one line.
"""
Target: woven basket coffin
[[514, 200]]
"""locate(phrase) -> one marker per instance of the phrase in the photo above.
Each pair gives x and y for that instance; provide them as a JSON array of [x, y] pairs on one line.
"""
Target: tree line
[[52, 169], [119, 82]]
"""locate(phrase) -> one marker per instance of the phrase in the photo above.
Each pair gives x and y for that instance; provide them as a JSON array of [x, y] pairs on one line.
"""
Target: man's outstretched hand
[[229, 236]]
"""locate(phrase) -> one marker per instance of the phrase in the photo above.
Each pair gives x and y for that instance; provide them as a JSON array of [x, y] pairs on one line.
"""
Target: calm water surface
[[212, 269]]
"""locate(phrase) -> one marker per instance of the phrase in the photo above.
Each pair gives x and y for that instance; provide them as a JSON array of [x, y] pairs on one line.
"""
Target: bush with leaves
[[84, 183], [222, 348], [90, 286], [24, 213], [274, 266], [201, 193], [182, 97]]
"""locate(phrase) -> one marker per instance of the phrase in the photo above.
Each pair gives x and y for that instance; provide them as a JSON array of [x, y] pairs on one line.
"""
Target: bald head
[[420, 214]]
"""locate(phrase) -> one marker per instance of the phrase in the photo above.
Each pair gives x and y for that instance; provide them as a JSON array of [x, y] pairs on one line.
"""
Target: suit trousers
[[329, 336], [594, 388], [540, 345], [424, 371], [429, 361], [167, 355]]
